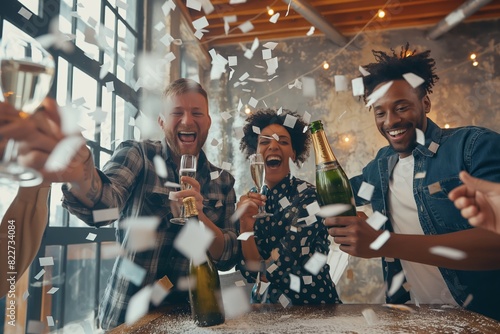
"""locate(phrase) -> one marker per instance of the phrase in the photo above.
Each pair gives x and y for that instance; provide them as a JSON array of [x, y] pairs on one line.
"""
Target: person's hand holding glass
[[186, 168], [258, 172], [27, 72]]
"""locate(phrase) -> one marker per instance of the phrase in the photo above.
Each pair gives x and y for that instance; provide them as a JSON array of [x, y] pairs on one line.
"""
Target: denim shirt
[[437, 165]]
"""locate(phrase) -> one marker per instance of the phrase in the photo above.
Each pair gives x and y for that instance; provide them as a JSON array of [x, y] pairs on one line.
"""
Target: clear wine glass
[[187, 168], [26, 75], [258, 172]]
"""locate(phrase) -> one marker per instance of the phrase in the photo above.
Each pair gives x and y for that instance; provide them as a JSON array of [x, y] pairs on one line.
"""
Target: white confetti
[[340, 83], [332, 210], [290, 121], [50, 321], [366, 191], [307, 279], [141, 232], [194, 4], [284, 301], [105, 215], [448, 252], [301, 187], [256, 129], [235, 302], [413, 79], [276, 137], [63, 153], [305, 250], [207, 6], [272, 268], [193, 241], [214, 175], [169, 184], [26, 295], [245, 235], [104, 70], [200, 23], [358, 88], [433, 147], [313, 208], [315, 263], [376, 220], [159, 292], [377, 94], [455, 17], [160, 166], [294, 283], [308, 87], [311, 31], [240, 283], [132, 272], [46, 261], [274, 18], [266, 54], [284, 202], [253, 102], [420, 175], [364, 72], [91, 236], [370, 316], [138, 305], [52, 290], [226, 165], [110, 86], [380, 241], [467, 300], [270, 45], [420, 137], [40, 274], [232, 60], [37, 327], [246, 27], [25, 13], [396, 283]]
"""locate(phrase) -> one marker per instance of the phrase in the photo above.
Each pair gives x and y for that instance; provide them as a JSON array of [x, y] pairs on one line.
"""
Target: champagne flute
[[187, 168], [26, 75], [258, 172]]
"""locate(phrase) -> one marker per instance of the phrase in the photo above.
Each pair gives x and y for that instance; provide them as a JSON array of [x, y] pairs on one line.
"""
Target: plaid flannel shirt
[[131, 185]]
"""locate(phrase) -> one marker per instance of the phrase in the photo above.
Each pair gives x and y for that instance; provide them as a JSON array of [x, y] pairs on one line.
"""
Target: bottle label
[[321, 147], [324, 167]]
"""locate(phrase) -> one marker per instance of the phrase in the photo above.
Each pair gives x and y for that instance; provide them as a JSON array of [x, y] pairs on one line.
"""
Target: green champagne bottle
[[205, 294], [332, 184]]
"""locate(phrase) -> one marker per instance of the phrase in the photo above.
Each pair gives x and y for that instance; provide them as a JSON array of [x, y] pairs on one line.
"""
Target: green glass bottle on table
[[332, 184], [205, 293]]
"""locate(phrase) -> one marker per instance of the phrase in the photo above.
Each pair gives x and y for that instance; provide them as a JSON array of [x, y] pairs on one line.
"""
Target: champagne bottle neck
[[323, 151]]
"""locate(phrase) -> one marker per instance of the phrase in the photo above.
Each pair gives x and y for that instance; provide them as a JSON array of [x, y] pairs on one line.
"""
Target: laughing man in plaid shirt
[[129, 182]]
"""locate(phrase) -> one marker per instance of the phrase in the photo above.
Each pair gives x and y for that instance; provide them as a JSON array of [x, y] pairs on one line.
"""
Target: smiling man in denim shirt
[[411, 183]]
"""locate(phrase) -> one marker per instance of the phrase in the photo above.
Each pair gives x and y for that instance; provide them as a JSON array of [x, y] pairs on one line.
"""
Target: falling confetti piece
[[332, 210], [376, 220], [380, 241], [448, 252]]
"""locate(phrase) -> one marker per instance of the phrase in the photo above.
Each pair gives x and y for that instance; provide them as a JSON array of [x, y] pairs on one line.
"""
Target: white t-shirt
[[427, 285]]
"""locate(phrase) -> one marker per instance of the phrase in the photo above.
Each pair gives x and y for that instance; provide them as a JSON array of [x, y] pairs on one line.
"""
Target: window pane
[[56, 209], [106, 128], [62, 81], [88, 30], [65, 17], [127, 43], [85, 87], [104, 158], [109, 23], [80, 276]]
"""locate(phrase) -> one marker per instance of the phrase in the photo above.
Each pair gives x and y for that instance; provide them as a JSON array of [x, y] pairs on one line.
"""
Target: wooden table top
[[337, 318]]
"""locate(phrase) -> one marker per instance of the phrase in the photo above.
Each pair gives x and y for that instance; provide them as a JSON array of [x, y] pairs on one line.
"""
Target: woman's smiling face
[[275, 145]]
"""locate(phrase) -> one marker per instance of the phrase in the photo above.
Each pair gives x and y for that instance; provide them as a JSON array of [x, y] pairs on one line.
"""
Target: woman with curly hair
[[276, 256]]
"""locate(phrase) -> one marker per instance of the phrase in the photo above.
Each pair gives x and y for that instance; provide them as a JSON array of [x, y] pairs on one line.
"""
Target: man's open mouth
[[396, 133], [273, 161], [186, 137]]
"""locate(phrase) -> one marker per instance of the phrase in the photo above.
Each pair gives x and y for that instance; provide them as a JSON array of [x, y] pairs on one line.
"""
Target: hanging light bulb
[[381, 13], [326, 65], [475, 63], [270, 11], [473, 56], [247, 110]]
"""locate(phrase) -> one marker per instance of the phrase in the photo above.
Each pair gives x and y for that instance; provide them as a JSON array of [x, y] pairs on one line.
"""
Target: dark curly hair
[[262, 118], [392, 67]]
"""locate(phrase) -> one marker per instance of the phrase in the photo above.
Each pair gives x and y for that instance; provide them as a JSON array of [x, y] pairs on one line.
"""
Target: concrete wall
[[464, 95]]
